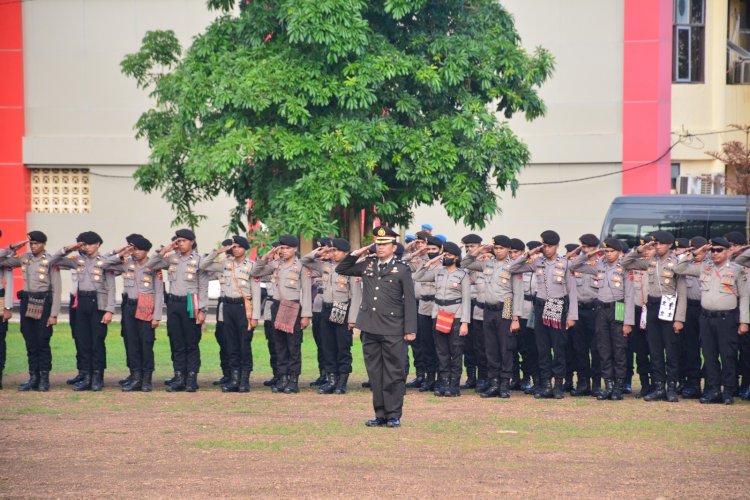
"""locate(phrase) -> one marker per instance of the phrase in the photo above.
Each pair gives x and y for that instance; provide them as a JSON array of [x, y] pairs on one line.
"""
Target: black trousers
[[744, 359], [36, 335], [337, 345], [288, 346], [450, 350], [500, 345], [221, 339], [317, 331], [124, 335], [184, 337], [663, 346], [528, 351], [638, 348], [3, 333], [720, 340], [690, 353], [583, 338], [426, 342], [471, 360], [91, 333], [476, 329], [72, 319], [612, 343], [384, 360], [273, 361], [551, 344], [139, 338], [416, 352], [237, 337]]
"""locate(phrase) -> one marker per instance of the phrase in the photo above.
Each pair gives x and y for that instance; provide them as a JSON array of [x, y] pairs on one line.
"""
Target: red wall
[[647, 94]]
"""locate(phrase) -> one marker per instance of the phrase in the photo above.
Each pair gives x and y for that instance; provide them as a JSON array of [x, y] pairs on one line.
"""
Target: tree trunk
[[354, 226]]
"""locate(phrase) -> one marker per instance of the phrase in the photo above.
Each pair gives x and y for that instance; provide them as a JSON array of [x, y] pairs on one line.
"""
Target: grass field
[[209, 444]]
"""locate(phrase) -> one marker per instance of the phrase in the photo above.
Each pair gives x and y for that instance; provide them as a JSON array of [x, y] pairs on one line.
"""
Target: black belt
[[717, 314], [233, 300], [130, 302], [605, 305], [176, 298], [34, 295], [653, 300], [86, 293], [694, 302], [451, 302], [493, 307], [277, 302], [427, 298], [587, 306], [528, 296], [480, 305]]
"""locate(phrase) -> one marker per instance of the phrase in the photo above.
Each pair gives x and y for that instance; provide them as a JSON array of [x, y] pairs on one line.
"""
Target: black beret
[[423, 235], [341, 244], [37, 236], [550, 237], [570, 247], [241, 241], [324, 241], [516, 244], [275, 244], [452, 248], [736, 238], [399, 252], [471, 238], [129, 238], [531, 245], [90, 238], [289, 240], [589, 239], [432, 240], [227, 242], [613, 243], [664, 237], [681, 243], [185, 233], [501, 240], [698, 241], [384, 234], [722, 242], [141, 243]]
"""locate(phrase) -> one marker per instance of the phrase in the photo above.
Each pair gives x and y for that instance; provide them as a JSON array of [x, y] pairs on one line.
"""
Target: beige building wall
[[581, 134]]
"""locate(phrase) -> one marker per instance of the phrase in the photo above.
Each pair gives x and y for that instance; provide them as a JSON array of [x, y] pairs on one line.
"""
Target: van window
[[632, 230], [722, 227]]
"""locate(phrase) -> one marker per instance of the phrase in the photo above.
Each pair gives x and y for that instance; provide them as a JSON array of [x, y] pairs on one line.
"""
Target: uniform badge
[[394, 270]]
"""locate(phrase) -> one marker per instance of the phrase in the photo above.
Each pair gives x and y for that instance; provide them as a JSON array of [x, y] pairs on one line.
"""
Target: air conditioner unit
[[689, 184], [718, 184], [702, 184]]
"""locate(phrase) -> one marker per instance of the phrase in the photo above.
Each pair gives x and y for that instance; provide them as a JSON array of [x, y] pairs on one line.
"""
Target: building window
[[60, 191], [738, 42], [688, 41]]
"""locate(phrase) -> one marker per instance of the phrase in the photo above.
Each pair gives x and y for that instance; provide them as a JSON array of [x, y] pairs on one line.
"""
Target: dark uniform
[[526, 342], [690, 352], [475, 356], [387, 312]]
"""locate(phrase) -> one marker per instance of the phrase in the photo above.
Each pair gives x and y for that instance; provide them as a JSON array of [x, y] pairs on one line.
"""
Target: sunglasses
[[717, 250]]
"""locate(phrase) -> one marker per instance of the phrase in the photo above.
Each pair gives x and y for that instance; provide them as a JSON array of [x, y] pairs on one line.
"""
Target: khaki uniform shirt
[[291, 280], [184, 274], [39, 275], [234, 278], [661, 278], [610, 282], [421, 288], [722, 289], [553, 280], [449, 286], [138, 279], [500, 284], [336, 287], [91, 277]]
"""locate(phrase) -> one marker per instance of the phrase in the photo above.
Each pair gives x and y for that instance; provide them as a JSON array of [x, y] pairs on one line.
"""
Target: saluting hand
[[533, 252], [19, 244], [434, 260], [73, 247], [363, 250], [641, 248]]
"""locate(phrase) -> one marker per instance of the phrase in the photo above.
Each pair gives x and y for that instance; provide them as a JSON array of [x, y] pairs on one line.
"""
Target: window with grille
[[60, 191], [689, 27]]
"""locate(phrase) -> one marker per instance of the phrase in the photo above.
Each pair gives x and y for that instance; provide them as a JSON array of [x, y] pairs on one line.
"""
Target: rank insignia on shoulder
[[394, 270]]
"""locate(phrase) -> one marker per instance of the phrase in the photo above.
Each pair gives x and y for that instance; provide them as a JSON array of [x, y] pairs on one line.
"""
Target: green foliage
[[313, 107]]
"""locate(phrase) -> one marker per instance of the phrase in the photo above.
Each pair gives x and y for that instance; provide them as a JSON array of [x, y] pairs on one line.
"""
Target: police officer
[[123, 327], [556, 309], [40, 305], [637, 340], [475, 355], [662, 328], [503, 306], [451, 314], [615, 314], [241, 308], [141, 309], [526, 341], [690, 352], [739, 244], [6, 304], [293, 289], [187, 303], [317, 315], [269, 287], [388, 317], [341, 297], [226, 372], [726, 302], [95, 305], [414, 245]]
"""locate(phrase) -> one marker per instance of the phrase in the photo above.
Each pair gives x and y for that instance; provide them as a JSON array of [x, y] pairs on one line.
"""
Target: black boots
[[320, 380], [97, 380], [471, 379], [234, 382], [453, 390], [32, 384], [292, 386], [172, 380], [417, 382], [146, 384], [125, 381], [43, 381], [609, 387], [330, 384], [441, 387], [178, 382], [244, 381], [271, 381], [657, 393], [493, 390], [559, 391], [280, 385], [1, 381], [582, 388], [429, 383], [191, 384], [341, 384], [645, 387], [532, 385], [545, 390], [225, 378], [672, 392], [84, 384], [596, 387], [505, 388], [76, 379], [136, 384], [618, 390], [692, 389], [711, 395], [482, 384], [627, 385]]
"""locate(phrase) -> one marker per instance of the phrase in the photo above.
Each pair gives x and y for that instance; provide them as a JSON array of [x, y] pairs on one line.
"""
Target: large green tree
[[315, 109]]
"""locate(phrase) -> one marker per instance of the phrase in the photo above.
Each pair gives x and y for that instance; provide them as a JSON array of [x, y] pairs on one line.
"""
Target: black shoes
[[271, 381], [329, 386], [178, 382], [645, 387], [429, 383], [672, 392], [471, 379], [233, 385], [559, 391], [126, 380], [97, 380], [482, 385], [581, 389], [393, 422], [191, 384], [493, 390], [711, 396], [225, 378], [320, 380], [32, 384], [136, 384], [417, 382], [281, 383], [505, 388], [146, 385], [84, 384], [609, 387], [657, 393], [76, 379], [452, 390], [341, 384], [618, 390], [244, 381], [545, 390], [292, 387], [728, 398], [43, 381], [376, 422], [441, 387]]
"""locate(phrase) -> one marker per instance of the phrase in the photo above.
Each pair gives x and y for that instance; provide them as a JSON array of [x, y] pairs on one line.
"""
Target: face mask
[[432, 255], [448, 261]]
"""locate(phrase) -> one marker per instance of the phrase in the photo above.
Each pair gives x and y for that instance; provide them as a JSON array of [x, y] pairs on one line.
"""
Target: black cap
[[37, 236], [516, 244], [736, 238], [435, 241], [721, 242], [501, 240], [698, 241], [90, 238], [589, 239], [323, 241], [341, 244], [423, 235], [140, 243], [241, 241], [227, 242], [613, 243], [384, 234], [662, 237], [452, 248], [550, 237], [275, 244], [289, 240], [531, 245], [185, 233], [471, 238], [681, 243], [129, 238], [570, 247]]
